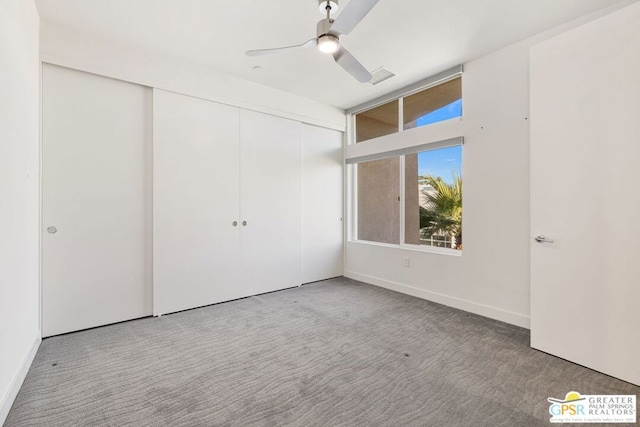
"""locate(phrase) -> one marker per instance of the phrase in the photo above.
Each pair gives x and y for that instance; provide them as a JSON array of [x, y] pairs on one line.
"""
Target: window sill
[[432, 249], [367, 242], [414, 248]]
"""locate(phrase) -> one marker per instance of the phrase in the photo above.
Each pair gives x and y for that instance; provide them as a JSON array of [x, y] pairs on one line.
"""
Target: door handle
[[244, 223], [234, 223], [541, 239], [52, 230]]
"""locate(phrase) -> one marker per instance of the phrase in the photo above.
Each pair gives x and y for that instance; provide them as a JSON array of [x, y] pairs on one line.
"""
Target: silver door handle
[[234, 223], [52, 230], [541, 239], [244, 223]]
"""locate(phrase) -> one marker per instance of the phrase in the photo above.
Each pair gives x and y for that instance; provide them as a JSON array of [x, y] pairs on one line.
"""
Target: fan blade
[[258, 52], [355, 11], [351, 65]]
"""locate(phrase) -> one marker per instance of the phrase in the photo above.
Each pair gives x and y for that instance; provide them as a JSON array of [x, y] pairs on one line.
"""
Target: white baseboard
[[18, 379], [470, 306]]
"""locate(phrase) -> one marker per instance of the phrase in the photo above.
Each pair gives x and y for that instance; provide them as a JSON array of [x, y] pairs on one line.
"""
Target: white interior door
[[322, 201], [585, 133], [196, 203], [96, 200], [270, 182]]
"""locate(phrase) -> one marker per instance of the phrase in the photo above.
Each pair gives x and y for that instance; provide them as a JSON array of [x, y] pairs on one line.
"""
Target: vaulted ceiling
[[411, 38]]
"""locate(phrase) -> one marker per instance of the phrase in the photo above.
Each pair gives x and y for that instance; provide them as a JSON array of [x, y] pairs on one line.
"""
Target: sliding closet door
[[322, 200], [96, 200], [271, 203], [196, 203]]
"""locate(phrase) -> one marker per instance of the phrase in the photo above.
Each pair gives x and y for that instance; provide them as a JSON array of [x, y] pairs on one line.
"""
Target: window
[[433, 198], [431, 175], [427, 106], [407, 185], [379, 121], [432, 105]]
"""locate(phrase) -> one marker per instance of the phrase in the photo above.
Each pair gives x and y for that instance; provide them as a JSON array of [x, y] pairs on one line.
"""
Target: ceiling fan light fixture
[[328, 43]]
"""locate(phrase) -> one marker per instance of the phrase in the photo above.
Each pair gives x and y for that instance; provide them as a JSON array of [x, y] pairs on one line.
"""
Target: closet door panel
[[322, 201], [270, 202], [196, 202], [96, 200]]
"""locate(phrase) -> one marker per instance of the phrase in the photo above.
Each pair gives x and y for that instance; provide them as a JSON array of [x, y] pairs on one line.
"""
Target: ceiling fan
[[328, 36]]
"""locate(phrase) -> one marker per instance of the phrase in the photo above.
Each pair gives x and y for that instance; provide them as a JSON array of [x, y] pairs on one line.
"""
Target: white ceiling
[[411, 38]]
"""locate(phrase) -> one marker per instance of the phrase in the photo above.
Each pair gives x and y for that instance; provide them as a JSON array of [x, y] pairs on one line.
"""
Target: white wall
[[491, 277], [84, 52], [19, 182]]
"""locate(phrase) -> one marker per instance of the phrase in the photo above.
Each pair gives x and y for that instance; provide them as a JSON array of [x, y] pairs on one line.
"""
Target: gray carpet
[[334, 353]]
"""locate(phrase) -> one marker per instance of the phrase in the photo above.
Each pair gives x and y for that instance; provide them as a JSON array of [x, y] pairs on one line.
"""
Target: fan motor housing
[[323, 27]]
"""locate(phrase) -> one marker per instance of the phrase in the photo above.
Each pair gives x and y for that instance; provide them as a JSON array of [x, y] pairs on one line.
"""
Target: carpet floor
[[333, 353]]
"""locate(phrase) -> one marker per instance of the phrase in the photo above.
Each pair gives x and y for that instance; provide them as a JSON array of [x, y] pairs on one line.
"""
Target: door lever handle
[[541, 239]]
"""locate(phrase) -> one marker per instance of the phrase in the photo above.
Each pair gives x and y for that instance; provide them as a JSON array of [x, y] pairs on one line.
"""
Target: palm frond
[[442, 212]]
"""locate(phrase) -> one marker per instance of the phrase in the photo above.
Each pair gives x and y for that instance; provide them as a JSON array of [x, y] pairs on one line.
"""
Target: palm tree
[[442, 212]]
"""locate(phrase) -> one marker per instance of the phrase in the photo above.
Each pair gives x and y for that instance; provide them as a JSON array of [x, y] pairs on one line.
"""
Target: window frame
[[442, 134], [352, 178], [399, 95]]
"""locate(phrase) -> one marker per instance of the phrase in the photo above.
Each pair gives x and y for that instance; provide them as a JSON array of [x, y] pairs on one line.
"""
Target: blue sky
[[444, 161], [444, 113]]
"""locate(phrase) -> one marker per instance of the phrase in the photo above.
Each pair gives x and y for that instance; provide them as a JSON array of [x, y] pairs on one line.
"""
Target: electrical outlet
[[407, 262]]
